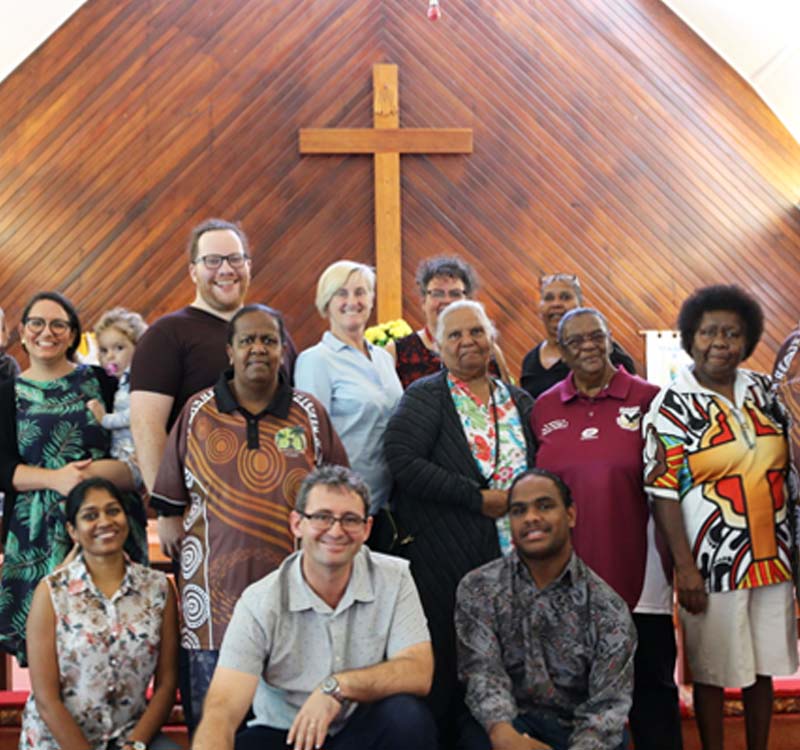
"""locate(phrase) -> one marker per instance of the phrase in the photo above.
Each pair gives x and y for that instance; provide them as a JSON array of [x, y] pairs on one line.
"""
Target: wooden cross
[[745, 499], [386, 141]]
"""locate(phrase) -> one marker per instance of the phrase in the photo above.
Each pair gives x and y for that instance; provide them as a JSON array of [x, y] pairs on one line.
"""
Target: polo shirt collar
[[337, 345], [279, 406], [686, 382], [618, 387], [359, 587]]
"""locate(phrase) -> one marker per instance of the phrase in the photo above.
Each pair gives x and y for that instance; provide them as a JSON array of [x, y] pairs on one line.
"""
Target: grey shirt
[[565, 651], [283, 632]]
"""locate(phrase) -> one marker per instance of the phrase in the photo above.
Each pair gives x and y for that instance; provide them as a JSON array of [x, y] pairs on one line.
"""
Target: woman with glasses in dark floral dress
[[49, 442]]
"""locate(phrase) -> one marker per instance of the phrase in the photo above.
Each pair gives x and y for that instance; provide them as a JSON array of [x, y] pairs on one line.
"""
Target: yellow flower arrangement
[[391, 330]]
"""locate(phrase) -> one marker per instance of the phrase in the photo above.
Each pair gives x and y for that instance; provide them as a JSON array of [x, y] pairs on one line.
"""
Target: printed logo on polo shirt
[[590, 433], [552, 426], [630, 418], [291, 440]]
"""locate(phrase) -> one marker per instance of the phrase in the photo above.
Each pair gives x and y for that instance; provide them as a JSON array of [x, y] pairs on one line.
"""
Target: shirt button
[[591, 413]]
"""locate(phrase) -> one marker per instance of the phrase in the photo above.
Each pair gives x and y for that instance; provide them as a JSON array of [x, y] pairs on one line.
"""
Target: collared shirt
[[283, 632], [234, 477], [495, 436], [107, 652], [726, 463], [594, 443], [360, 393], [786, 387], [565, 651]]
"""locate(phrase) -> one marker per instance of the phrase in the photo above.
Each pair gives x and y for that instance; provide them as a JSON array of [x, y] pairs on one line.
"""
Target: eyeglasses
[[213, 262], [57, 327], [323, 521], [577, 341], [729, 334], [441, 294]]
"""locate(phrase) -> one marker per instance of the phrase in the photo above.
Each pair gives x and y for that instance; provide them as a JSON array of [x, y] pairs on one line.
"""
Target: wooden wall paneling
[[609, 141]]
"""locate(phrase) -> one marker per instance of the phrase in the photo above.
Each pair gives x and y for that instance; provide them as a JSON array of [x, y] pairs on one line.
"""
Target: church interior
[[604, 139]]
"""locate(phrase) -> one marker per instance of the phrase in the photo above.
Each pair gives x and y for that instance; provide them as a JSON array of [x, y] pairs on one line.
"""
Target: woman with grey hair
[[454, 445], [543, 367], [355, 381]]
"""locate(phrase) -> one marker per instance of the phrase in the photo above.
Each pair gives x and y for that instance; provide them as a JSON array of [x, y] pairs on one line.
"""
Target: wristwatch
[[330, 686], [134, 745]]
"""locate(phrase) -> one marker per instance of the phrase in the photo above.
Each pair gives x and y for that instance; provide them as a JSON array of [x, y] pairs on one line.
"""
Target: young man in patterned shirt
[[545, 646]]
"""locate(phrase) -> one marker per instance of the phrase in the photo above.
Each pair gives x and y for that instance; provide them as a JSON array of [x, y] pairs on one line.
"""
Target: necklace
[[496, 431]]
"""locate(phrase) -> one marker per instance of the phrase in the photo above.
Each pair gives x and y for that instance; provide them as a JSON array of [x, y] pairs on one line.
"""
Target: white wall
[[761, 40], [25, 24]]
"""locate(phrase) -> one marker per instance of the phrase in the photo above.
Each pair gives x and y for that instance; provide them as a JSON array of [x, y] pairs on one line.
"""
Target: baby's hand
[[97, 409]]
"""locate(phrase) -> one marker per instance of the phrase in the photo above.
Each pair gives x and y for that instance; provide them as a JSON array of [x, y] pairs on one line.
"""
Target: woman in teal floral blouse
[[49, 442]]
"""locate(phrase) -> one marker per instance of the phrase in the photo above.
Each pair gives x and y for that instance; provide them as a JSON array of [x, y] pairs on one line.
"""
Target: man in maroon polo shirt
[[588, 428]]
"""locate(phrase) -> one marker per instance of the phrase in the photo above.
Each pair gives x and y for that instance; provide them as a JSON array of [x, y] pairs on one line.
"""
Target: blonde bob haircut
[[335, 276], [464, 304]]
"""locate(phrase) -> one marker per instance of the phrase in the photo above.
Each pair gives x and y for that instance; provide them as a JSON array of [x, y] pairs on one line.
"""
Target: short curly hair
[[127, 322], [446, 265], [730, 298]]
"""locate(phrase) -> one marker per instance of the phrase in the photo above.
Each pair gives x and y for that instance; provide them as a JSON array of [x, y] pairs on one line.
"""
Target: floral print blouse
[[107, 652], [501, 459]]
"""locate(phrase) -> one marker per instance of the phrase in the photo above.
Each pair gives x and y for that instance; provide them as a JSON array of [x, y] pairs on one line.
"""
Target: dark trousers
[[200, 669], [655, 717], [399, 722], [540, 727]]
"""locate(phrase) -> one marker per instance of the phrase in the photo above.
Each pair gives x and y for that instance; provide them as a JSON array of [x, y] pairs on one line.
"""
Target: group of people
[[386, 548]]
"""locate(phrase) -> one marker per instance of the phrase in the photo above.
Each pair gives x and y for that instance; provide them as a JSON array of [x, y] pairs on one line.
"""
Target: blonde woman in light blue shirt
[[355, 381]]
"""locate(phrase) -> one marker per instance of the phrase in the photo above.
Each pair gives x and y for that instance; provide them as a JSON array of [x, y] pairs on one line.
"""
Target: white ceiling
[[759, 38]]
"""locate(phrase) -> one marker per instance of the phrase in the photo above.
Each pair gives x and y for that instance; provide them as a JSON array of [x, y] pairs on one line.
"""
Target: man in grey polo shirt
[[332, 647]]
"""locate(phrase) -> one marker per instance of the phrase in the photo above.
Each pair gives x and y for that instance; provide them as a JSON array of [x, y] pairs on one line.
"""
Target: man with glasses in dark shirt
[[183, 353], [545, 647], [332, 649]]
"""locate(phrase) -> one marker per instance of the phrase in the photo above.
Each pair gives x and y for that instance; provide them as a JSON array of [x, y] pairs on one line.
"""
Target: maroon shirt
[[595, 445]]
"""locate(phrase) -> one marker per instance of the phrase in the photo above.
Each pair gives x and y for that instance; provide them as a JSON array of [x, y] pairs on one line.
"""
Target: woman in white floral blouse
[[103, 626]]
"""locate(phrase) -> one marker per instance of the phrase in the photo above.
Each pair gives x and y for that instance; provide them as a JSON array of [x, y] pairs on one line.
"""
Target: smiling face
[[101, 526], [540, 522], [557, 298], [718, 348], [586, 347], [255, 351], [440, 292], [47, 346], [466, 344], [333, 548], [114, 350], [350, 307], [221, 290]]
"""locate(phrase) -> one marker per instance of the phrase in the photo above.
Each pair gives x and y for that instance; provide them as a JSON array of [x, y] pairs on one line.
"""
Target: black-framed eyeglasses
[[440, 294], [577, 341], [57, 326], [213, 261], [322, 521], [711, 332]]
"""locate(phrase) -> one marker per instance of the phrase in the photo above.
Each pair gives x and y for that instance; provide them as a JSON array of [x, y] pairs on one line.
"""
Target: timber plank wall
[[609, 141]]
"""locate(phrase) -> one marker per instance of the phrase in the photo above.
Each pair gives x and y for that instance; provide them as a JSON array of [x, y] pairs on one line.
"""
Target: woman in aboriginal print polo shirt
[[717, 461]]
